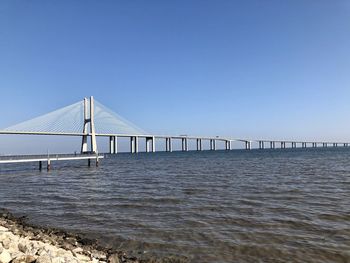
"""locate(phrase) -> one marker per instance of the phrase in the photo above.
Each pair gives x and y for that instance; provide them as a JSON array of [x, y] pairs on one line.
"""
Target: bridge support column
[[132, 143], [272, 145], [112, 144], [151, 140], [168, 144], [261, 145], [248, 145], [153, 144], [87, 120], [40, 165], [134, 147], [148, 140], [184, 144], [199, 144], [228, 145]]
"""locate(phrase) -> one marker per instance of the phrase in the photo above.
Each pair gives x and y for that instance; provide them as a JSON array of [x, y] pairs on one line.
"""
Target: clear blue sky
[[272, 69]]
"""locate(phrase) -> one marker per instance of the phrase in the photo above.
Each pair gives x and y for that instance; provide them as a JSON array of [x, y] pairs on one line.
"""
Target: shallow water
[[289, 205]]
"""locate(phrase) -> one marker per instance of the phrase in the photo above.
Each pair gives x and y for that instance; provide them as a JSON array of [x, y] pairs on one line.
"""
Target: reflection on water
[[242, 206]]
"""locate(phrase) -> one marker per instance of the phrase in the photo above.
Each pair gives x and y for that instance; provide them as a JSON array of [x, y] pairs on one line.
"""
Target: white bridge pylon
[[87, 118]]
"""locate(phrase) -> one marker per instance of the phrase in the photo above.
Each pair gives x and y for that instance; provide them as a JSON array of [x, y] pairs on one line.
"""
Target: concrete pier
[[112, 144], [184, 144], [199, 144], [212, 144], [228, 145], [168, 145], [272, 145], [150, 143], [261, 145], [248, 145]]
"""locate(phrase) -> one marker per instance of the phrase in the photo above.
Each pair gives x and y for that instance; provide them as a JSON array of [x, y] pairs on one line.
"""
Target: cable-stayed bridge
[[90, 119]]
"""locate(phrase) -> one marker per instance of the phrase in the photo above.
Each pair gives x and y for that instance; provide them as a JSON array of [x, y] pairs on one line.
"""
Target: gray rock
[[113, 259], [6, 243], [5, 256], [22, 247], [43, 259], [24, 259], [58, 260]]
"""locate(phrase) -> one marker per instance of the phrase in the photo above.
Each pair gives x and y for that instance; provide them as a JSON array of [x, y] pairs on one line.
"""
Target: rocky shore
[[23, 243]]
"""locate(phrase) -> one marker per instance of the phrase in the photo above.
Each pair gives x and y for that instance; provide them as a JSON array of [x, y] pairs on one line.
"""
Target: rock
[[45, 258], [3, 229], [5, 256], [22, 247], [63, 253], [6, 243], [82, 257], [98, 255], [77, 250], [114, 258], [58, 260], [24, 259]]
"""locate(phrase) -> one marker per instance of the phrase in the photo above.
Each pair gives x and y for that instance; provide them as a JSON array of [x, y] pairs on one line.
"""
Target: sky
[[245, 69]]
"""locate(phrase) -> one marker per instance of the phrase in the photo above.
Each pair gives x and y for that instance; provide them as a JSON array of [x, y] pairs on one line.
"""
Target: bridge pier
[[212, 144], [113, 144], [199, 144], [228, 145], [283, 145], [261, 145], [91, 121], [40, 165], [248, 145], [184, 144], [272, 145], [151, 140], [168, 145], [134, 147]]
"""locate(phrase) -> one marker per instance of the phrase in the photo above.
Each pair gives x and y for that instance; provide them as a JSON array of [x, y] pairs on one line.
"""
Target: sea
[[270, 205]]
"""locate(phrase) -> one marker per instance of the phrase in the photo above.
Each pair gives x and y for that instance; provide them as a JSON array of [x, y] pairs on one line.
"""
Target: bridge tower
[[89, 123]]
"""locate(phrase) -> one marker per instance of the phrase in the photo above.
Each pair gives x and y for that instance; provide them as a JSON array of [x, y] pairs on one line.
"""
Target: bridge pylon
[[89, 123]]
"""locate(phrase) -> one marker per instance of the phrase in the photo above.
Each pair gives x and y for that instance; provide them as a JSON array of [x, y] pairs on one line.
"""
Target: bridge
[[89, 119]]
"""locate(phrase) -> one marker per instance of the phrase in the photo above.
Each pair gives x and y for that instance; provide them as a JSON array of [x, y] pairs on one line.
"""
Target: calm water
[[239, 206]]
